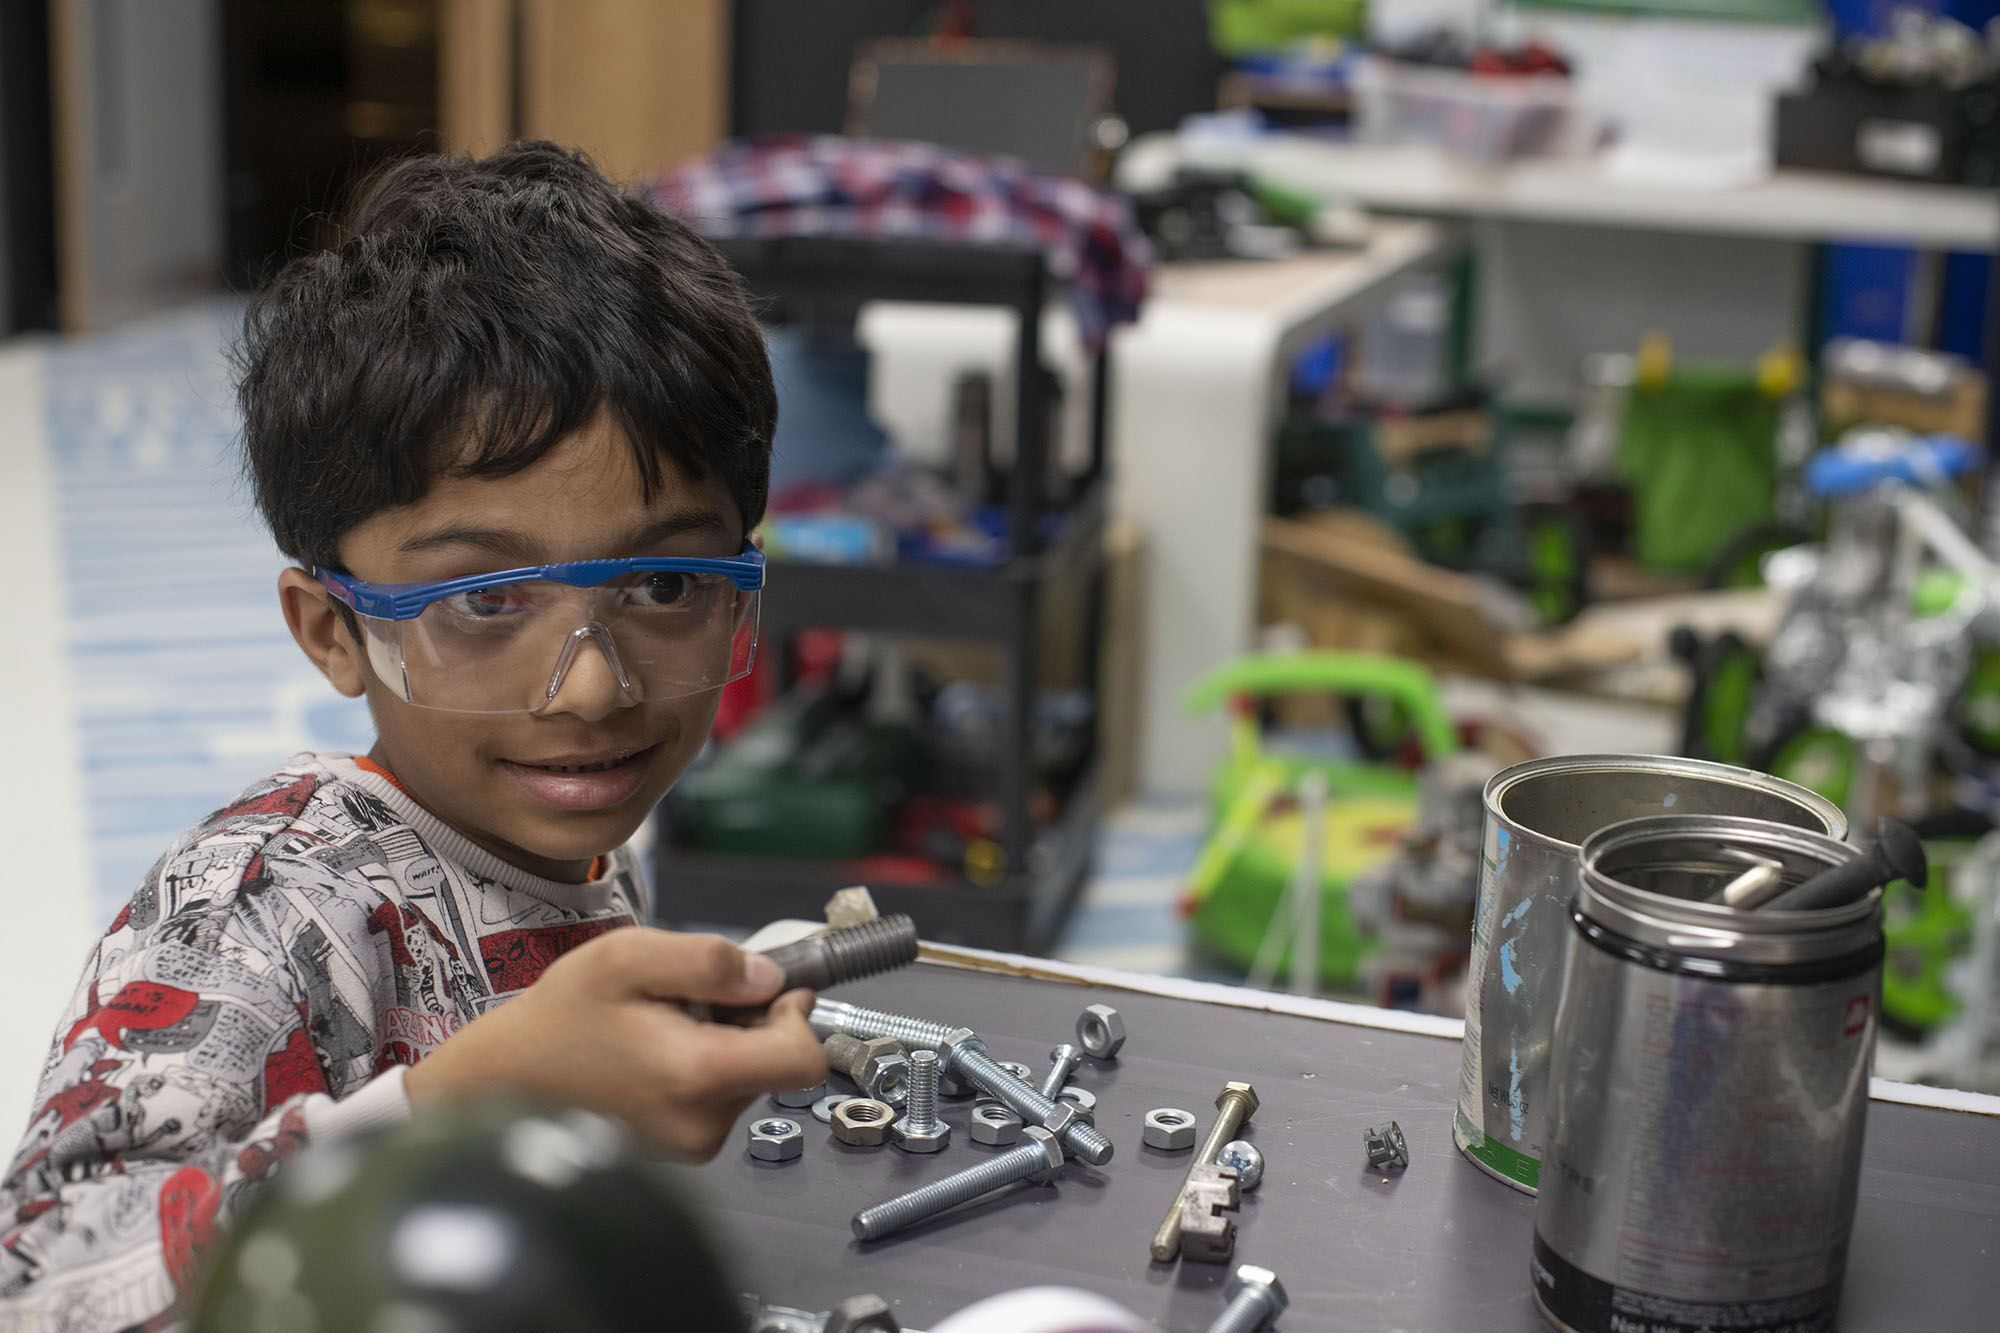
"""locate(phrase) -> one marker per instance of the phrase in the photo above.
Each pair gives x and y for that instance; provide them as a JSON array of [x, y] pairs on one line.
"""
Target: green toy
[[1238, 882]]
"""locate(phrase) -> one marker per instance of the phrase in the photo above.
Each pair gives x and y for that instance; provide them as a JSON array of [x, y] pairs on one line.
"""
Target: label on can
[[1496, 1098], [1576, 1300]]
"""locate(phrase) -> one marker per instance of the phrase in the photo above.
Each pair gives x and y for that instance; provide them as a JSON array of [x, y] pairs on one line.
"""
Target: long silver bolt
[[1037, 1158], [1064, 1058], [831, 1016], [1259, 1300], [964, 1056]]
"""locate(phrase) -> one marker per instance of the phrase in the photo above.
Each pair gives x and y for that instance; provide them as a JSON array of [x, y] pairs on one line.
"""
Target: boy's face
[[494, 776]]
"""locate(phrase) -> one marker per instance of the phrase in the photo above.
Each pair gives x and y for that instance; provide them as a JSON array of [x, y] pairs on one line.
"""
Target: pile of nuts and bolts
[[1169, 1129], [862, 1122], [775, 1139]]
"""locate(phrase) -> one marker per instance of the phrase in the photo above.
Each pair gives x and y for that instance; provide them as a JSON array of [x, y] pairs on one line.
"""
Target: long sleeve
[[264, 988], [182, 1073]]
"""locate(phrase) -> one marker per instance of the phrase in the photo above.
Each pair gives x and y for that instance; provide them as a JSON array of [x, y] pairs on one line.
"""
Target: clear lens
[[506, 649]]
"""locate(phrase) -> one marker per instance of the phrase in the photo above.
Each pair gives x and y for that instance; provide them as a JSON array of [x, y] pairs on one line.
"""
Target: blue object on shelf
[[1928, 460]]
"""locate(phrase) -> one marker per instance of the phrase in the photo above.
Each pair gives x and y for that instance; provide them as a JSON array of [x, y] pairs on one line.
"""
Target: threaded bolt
[[847, 954], [831, 1016], [966, 1061], [1037, 1157], [1259, 1299], [923, 1088], [1063, 1058]]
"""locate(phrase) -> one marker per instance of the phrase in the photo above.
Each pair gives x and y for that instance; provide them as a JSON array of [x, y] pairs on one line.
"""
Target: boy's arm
[[160, 1107]]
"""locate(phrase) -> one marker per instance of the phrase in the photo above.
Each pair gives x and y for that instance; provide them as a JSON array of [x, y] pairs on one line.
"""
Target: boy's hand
[[604, 1028]]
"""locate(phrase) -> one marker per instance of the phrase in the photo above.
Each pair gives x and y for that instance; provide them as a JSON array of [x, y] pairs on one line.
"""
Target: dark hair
[[476, 313]]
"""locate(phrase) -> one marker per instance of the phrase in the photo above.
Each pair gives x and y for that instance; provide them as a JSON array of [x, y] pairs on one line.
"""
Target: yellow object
[[1780, 371], [1656, 360]]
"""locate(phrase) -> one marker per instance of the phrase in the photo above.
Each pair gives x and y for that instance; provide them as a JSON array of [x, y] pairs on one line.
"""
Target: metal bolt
[[879, 1066], [1062, 1064], [1236, 1104], [920, 1130], [1258, 1301], [847, 954], [964, 1057], [1038, 1159]]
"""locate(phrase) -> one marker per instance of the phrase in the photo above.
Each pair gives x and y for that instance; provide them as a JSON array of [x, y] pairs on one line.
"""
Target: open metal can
[[1708, 1087], [1537, 816]]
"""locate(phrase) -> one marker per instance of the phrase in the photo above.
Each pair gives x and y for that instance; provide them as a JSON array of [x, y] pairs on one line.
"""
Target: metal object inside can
[[1708, 1088], [1537, 816]]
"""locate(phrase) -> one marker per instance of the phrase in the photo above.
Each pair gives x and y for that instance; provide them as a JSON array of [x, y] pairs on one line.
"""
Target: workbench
[[1438, 1246]]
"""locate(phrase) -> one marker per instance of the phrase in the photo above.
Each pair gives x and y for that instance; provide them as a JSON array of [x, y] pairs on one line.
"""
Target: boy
[[507, 368]]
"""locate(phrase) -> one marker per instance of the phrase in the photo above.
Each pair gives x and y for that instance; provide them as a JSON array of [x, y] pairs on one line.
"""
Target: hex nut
[[995, 1124], [1248, 1160], [1083, 1099], [775, 1139], [1169, 1128], [863, 1122], [799, 1098], [823, 1108], [861, 1314], [1100, 1031], [885, 1076]]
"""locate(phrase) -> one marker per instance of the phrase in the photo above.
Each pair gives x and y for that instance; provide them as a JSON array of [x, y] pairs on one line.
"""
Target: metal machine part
[[1017, 1069], [994, 1124], [1100, 1031], [1386, 1146], [1169, 1129], [862, 1314], [1246, 1159], [862, 1122], [1234, 1105], [823, 1108], [879, 1066], [1255, 1304], [1083, 1099], [848, 953], [775, 1139], [799, 1098], [964, 1057], [1062, 1062], [1206, 1233], [1038, 1159], [920, 1129], [856, 1314]]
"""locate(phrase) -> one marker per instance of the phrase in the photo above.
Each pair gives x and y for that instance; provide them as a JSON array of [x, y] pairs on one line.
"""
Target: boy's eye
[[484, 603], [663, 588]]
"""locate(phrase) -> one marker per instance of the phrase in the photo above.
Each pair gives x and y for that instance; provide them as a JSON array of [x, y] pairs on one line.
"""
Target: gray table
[[1437, 1247]]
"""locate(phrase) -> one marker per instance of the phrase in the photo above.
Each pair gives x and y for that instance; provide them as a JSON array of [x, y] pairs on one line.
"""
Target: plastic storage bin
[[1482, 117]]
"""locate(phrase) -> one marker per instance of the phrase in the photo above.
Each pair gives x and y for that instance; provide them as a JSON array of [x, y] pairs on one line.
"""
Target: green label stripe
[[1506, 1161]]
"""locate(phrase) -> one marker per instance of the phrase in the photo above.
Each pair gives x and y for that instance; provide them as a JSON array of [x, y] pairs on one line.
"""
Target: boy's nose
[[589, 681]]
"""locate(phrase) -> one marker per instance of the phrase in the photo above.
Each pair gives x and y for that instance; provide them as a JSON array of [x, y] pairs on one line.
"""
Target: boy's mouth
[[582, 781]]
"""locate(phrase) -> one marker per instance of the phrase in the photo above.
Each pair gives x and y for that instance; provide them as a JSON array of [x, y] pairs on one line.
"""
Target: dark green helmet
[[490, 1219]]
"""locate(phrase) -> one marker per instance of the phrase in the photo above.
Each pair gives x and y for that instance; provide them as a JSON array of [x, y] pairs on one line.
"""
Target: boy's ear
[[316, 623]]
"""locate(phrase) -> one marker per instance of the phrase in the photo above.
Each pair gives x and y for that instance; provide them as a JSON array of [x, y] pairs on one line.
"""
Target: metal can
[[1537, 815], [1708, 1088]]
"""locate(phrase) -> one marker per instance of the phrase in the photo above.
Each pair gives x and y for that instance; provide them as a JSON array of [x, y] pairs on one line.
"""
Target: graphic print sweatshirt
[[264, 988]]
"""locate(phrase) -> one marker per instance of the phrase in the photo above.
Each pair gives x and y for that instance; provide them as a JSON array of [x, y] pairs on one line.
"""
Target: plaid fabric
[[831, 186]]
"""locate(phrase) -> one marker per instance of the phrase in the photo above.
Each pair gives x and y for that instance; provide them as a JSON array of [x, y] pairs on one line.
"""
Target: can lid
[[1651, 880]]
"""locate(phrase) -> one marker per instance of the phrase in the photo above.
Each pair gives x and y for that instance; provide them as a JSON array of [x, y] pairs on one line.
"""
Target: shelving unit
[[825, 280]]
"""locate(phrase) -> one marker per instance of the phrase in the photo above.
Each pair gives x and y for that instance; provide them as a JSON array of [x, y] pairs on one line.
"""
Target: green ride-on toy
[[1238, 883]]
